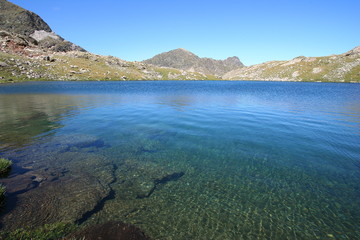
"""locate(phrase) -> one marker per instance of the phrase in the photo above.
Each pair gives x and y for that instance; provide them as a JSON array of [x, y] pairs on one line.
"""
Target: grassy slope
[[85, 66], [337, 68]]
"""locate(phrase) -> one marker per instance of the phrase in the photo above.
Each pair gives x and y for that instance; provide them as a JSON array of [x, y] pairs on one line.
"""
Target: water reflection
[[24, 117]]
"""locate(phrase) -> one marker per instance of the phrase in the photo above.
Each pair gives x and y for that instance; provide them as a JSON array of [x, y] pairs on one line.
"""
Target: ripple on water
[[189, 160]]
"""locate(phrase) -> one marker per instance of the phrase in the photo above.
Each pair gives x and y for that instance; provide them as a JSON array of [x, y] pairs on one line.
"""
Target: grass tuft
[[5, 166]]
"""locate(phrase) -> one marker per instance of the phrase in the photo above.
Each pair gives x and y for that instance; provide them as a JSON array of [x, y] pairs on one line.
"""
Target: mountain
[[30, 50], [185, 60], [31, 28], [336, 68], [18, 20]]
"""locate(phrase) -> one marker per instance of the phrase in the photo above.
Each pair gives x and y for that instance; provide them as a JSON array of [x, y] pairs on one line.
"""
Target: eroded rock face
[[41, 35], [110, 231], [28, 25]]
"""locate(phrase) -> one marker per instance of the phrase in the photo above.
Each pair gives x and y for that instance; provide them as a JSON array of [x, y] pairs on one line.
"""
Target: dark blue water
[[186, 160]]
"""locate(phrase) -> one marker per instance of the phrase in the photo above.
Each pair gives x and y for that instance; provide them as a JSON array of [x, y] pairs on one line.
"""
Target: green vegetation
[[337, 68], [47, 232], [81, 66], [5, 165], [353, 75], [175, 74]]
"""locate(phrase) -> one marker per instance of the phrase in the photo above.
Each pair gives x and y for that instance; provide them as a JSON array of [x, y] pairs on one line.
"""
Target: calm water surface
[[185, 160]]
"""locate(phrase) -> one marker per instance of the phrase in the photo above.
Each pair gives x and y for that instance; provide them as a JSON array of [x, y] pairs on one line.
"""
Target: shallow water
[[185, 160]]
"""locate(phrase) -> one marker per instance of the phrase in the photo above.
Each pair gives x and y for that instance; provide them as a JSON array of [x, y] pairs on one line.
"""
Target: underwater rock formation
[[138, 180], [62, 187], [171, 177], [110, 231]]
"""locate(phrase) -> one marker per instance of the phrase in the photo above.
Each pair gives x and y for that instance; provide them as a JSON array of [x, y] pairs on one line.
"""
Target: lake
[[185, 159]]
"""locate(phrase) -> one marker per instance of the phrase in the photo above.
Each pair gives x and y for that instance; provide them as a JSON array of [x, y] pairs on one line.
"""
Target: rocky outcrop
[[18, 20], [336, 68], [184, 60], [355, 51], [28, 25]]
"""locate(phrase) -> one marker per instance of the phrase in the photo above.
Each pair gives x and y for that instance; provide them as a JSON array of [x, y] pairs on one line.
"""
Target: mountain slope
[[185, 60], [29, 50], [18, 20], [336, 68]]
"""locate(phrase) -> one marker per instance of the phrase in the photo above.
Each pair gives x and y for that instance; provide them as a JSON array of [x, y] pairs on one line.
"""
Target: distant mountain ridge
[[185, 60]]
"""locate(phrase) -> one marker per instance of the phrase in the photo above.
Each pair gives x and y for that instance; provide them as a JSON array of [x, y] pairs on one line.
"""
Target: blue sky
[[255, 31]]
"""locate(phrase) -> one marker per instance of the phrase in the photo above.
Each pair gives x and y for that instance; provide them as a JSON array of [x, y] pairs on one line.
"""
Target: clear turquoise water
[[258, 160]]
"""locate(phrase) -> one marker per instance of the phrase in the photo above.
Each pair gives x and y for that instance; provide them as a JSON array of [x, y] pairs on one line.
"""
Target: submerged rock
[[110, 231], [140, 179], [79, 141], [68, 143], [171, 177], [63, 190]]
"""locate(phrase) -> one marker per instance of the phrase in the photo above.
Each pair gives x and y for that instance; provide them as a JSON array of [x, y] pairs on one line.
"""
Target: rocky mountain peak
[[183, 50], [185, 60], [234, 61]]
